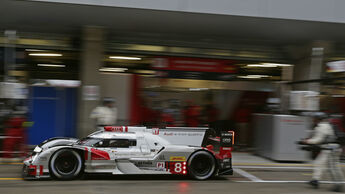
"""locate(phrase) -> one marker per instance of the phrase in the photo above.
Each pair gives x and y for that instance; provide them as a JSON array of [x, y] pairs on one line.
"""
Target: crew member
[[328, 158], [106, 114], [16, 137]]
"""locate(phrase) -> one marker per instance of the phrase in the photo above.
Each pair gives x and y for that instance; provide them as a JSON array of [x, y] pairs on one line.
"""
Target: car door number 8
[[178, 167]]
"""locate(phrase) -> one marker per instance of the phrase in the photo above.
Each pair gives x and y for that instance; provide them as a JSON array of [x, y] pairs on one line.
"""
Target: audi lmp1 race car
[[133, 150]]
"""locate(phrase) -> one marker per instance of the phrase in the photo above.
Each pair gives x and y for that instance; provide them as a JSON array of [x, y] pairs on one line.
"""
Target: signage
[[194, 68], [304, 100], [91, 92]]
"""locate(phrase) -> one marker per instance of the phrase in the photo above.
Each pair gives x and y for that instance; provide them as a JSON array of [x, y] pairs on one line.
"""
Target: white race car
[[133, 150]]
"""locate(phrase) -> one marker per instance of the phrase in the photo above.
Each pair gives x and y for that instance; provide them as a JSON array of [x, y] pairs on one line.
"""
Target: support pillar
[[91, 60]]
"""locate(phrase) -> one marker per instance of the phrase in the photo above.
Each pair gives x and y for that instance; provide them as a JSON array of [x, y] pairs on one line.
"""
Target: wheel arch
[[78, 150], [205, 151], [214, 157]]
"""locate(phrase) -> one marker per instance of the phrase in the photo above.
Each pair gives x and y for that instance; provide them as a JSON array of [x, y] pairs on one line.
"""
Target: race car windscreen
[[88, 141]]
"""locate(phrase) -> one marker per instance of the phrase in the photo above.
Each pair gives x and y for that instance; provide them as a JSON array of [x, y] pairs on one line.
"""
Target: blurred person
[[211, 114], [324, 136], [174, 110], [242, 118], [15, 136], [148, 116], [192, 114], [106, 114], [167, 118]]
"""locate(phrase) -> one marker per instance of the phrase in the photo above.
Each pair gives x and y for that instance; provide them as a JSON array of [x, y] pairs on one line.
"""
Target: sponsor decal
[[144, 163], [182, 134], [160, 165], [116, 129], [155, 131], [177, 158]]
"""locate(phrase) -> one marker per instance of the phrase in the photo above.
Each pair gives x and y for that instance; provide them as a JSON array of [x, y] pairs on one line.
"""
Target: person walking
[[324, 136], [106, 114]]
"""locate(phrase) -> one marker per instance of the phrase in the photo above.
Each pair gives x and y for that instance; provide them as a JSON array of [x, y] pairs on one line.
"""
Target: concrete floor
[[265, 178]]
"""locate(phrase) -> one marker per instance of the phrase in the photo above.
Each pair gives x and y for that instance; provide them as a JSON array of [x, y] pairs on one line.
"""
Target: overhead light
[[50, 65], [338, 96], [197, 89], [260, 65], [125, 58], [253, 76], [269, 65], [276, 64], [111, 69], [46, 54], [34, 50]]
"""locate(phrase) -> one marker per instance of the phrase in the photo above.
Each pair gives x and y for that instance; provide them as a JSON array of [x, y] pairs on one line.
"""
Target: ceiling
[[68, 19]]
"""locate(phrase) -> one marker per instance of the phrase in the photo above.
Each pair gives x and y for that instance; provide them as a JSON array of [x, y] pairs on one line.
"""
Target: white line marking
[[273, 181], [274, 167], [247, 175], [262, 181]]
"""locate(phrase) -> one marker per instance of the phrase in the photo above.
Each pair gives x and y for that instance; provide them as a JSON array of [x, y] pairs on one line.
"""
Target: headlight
[[37, 149]]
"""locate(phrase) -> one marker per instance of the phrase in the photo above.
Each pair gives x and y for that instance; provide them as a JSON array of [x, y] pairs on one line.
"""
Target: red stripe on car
[[86, 154], [41, 170], [99, 154]]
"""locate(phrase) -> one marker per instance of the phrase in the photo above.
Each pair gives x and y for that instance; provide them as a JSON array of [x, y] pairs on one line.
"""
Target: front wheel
[[66, 164], [202, 165]]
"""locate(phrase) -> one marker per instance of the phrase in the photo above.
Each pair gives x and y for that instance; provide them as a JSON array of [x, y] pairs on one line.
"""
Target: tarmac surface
[[252, 175]]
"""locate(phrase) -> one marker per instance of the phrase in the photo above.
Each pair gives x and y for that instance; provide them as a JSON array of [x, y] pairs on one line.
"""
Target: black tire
[[202, 165], [66, 164]]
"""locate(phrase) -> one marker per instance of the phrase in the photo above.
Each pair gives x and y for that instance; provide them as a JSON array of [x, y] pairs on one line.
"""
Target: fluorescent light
[[110, 69], [197, 89], [253, 76], [277, 64], [125, 58], [269, 65], [50, 65], [34, 50], [338, 96], [46, 54], [262, 65], [64, 83]]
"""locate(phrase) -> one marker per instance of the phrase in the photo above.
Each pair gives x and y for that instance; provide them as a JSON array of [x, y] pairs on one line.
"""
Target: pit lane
[[246, 179]]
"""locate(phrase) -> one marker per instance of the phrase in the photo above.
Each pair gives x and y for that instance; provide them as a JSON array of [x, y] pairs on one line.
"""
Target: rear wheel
[[66, 164], [202, 165]]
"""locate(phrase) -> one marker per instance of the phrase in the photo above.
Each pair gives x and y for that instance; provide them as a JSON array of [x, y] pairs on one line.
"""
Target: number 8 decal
[[178, 167]]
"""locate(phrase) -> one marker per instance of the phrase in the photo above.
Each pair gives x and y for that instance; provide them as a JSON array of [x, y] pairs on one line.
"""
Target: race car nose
[[27, 161], [29, 171]]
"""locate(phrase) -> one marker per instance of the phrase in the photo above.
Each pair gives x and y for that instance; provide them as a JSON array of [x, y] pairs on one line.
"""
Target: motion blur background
[[254, 66]]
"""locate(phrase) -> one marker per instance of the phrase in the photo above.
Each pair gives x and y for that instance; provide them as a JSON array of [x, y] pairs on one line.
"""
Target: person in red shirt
[[16, 136]]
